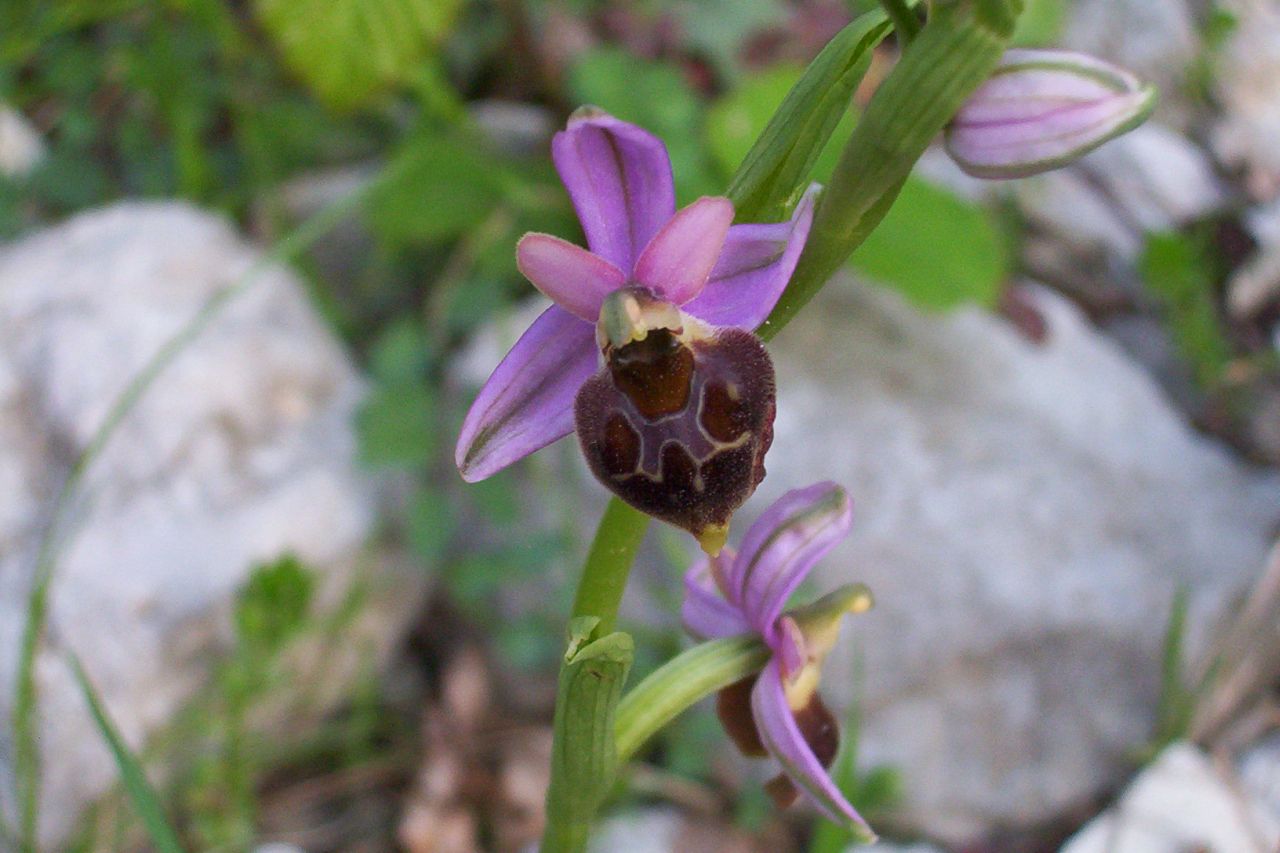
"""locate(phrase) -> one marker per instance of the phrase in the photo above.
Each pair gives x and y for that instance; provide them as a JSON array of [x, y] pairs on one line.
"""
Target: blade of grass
[[144, 798]]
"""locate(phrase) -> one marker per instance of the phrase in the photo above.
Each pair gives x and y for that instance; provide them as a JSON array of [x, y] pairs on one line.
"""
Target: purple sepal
[[782, 738], [619, 179], [753, 269], [782, 547], [528, 401]]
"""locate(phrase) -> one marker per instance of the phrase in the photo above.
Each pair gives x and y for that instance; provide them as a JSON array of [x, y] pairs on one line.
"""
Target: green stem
[[905, 22], [26, 748], [679, 683], [604, 576]]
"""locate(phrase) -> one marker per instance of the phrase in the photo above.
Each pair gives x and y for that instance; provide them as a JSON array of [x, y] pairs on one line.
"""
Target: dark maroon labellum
[[679, 430]]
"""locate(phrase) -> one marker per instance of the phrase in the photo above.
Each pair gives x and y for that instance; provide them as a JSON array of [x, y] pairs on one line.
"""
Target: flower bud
[[1041, 109]]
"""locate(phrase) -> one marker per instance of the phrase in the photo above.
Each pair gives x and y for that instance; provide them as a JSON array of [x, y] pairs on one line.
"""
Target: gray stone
[[21, 148], [1158, 41], [1023, 514], [1150, 179], [1260, 775], [241, 451], [1181, 802]]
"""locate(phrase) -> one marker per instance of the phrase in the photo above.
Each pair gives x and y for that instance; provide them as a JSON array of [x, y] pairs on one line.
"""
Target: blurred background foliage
[[267, 109]]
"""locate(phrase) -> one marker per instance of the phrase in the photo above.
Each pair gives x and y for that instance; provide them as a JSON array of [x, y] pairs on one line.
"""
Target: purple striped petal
[[784, 741], [782, 546], [705, 612], [680, 257], [619, 179], [1041, 109], [573, 278], [754, 268], [528, 401]]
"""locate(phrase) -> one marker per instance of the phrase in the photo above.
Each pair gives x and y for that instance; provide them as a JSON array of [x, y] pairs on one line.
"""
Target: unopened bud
[[1042, 109]]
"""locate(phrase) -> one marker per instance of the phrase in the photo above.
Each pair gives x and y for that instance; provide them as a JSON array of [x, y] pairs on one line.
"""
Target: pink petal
[[784, 741], [619, 179], [680, 257], [572, 277], [528, 401], [705, 613], [782, 546], [754, 269]]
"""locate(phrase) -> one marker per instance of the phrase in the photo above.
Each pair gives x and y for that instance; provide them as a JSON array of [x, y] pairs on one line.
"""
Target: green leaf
[[655, 96], [447, 185], [273, 605], [938, 249], [348, 51], [141, 794], [430, 524], [1179, 269], [401, 353], [780, 162], [1041, 24], [396, 426], [585, 759], [735, 121]]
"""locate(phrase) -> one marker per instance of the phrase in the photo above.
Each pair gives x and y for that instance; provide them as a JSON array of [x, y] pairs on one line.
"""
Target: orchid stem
[[905, 22], [604, 576]]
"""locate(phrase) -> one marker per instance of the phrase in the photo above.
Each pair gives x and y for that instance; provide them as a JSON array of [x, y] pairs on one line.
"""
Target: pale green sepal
[[955, 52], [681, 682], [584, 760], [777, 167]]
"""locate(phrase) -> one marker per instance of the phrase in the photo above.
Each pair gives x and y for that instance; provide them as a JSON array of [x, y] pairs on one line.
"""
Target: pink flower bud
[[1042, 109]]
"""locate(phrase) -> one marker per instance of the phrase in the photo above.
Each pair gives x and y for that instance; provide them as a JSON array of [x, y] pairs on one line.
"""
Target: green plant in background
[[1180, 270]]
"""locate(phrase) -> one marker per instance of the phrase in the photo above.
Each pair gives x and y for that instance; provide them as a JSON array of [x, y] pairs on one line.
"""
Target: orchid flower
[[1042, 109], [680, 280], [746, 592]]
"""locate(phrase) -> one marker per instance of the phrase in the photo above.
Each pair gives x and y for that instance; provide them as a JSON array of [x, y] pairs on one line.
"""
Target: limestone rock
[[1023, 514], [1181, 802], [242, 451]]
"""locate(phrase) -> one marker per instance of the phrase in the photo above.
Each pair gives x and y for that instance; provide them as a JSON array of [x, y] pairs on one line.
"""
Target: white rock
[[652, 830], [242, 451], [1069, 206], [1023, 515], [1150, 179], [1260, 775], [21, 148], [1180, 803], [1158, 41]]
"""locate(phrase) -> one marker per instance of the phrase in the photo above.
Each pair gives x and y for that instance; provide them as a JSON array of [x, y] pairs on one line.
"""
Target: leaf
[[273, 605], [780, 162], [938, 249], [1180, 271], [348, 51], [141, 794], [396, 426], [1041, 24], [446, 185], [401, 353]]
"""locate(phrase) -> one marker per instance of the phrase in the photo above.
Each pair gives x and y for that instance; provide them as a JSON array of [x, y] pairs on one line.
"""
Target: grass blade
[[144, 798]]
